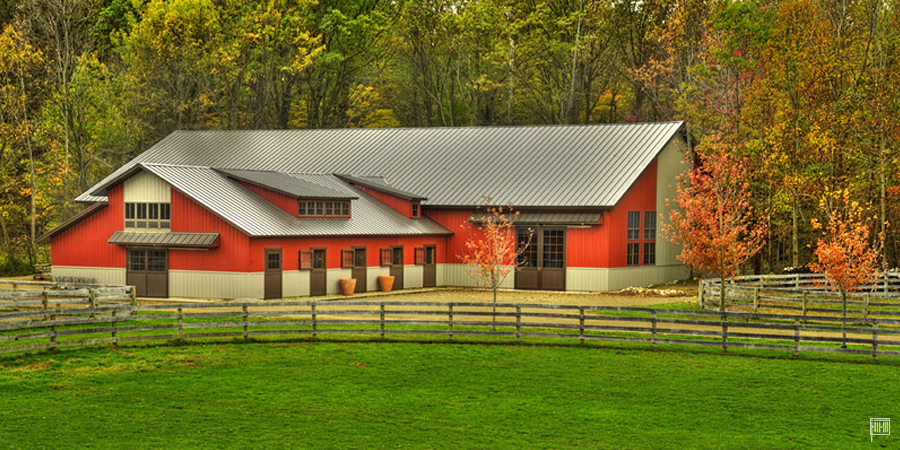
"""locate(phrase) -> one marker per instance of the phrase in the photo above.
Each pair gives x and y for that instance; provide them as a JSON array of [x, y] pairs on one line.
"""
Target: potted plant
[[386, 282], [348, 285]]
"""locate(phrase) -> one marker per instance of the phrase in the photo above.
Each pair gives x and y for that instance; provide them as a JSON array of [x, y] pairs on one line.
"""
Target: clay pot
[[386, 282], [348, 285]]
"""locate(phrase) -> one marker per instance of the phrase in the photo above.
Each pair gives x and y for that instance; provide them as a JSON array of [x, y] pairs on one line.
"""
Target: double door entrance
[[148, 271], [542, 263]]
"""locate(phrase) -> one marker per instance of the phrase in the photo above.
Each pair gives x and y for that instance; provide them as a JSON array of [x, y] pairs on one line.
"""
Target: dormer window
[[147, 216], [416, 210], [316, 208]]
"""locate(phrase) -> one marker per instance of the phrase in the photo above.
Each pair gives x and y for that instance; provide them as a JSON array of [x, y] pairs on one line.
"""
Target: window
[[273, 261], [528, 256], [650, 225], [318, 259], [649, 253], [397, 256], [634, 225], [420, 256], [633, 255], [147, 260], [430, 255], [359, 257], [416, 210], [385, 257], [148, 215], [323, 209], [346, 259], [554, 248]]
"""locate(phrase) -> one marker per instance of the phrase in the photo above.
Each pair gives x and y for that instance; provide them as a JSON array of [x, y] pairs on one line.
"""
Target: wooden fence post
[[874, 339], [866, 306], [115, 327], [382, 321], [581, 323], [700, 292], [53, 324], [133, 300], [450, 321], [653, 325], [756, 300], [796, 337], [805, 300], [46, 302], [246, 324], [180, 324], [92, 297], [314, 324], [519, 324], [724, 333]]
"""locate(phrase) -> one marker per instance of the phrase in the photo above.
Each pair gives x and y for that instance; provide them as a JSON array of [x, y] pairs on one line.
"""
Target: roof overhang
[[85, 213], [383, 188], [165, 240], [550, 218]]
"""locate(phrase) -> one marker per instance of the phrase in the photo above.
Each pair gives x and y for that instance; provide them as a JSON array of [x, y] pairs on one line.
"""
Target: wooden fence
[[25, 327], [802, 295]]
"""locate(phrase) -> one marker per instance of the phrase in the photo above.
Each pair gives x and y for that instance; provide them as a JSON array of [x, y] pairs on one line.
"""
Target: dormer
[[297, 194], [147, 203], [404, 202]]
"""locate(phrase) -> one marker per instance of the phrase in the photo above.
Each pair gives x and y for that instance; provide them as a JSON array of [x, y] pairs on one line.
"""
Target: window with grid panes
[[528, 256], [323, 209], [649, 253], [554, 248], [633, 253], [147, 215]]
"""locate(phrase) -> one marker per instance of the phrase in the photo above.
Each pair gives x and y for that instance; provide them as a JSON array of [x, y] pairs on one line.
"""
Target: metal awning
[[551, 218], [165, 240]]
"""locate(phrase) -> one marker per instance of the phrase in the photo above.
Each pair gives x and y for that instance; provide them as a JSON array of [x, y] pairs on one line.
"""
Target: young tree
[[714, 222], [492, 250], [846, 257]]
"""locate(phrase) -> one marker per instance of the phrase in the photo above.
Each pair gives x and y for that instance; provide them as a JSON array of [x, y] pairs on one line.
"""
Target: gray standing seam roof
[[550, 218], [294, 185], [256, 216], [528, 166], [167, 240], [380, 186]]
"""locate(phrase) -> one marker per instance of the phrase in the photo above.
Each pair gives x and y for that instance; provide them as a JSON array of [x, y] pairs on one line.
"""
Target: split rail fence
[[107, 316], [802, 295]]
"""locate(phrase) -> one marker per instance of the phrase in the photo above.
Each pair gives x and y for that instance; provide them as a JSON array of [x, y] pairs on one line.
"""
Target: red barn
[[283, 213]]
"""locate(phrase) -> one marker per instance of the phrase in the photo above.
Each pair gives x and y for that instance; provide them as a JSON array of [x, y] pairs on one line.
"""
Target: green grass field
[[419, 395]]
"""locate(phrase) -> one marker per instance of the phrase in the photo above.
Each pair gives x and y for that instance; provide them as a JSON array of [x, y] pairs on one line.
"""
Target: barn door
[[359, 269], [543, 262], [397, 266], [148, 272], [430, 268], [318, 275], [273, 273]]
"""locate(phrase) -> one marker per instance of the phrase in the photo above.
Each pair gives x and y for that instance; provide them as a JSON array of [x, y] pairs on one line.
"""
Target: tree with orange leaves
[[492, 251], [714, 222], [845, 256]]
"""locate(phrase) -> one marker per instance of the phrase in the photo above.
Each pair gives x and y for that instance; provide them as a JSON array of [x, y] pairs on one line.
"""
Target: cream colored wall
[[671, 163], [591, 279], [372, 274], [455, 275], [413, 277], [333, 282], [295, 283], [207, 284], [100, 275], [146, 187], [587, 279]]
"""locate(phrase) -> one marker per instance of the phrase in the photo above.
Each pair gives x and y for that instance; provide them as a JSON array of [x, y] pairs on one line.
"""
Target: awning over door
[[165, 240], [551, 218]]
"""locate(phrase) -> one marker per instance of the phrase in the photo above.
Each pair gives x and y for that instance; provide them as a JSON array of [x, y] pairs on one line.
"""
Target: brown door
[[359, 269], [273, 273], [397, 267], [148, 272], [318, 276], [543, 263], [430, 276], [553, 259]]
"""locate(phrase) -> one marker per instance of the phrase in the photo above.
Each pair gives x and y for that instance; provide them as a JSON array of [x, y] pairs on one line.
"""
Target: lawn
[[420, 395]]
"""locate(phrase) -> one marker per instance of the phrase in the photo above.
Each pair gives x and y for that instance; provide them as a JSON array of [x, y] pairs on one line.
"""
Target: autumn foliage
[[714, 219]]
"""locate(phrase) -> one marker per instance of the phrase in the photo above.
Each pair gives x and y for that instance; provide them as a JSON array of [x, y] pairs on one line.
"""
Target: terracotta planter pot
[[386, 282], [348, 285]]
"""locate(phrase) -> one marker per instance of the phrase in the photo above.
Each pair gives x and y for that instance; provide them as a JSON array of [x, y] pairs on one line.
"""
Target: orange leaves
[[492, 249]]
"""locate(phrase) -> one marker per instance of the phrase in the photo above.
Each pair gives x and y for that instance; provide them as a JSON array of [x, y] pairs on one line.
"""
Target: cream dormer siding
[[147, 206]]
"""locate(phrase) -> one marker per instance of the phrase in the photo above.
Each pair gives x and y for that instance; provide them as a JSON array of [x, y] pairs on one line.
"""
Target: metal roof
[[167, 240], [293, 185], [528, 166], [380, 186], [257, 217], [550, 218]]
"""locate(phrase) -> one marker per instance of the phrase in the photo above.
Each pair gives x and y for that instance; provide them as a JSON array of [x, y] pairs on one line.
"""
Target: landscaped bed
[[414, 395]]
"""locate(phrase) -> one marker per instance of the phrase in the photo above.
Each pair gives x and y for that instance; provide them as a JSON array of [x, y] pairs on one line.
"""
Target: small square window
[[416, 212], [385, 257], [420, 256], [346, 259], [305, 260]]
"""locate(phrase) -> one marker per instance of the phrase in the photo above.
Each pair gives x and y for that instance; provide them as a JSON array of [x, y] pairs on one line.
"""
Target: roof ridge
[[466, 127]]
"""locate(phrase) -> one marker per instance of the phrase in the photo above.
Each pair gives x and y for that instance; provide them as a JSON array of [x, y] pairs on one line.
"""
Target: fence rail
[[71, 324]]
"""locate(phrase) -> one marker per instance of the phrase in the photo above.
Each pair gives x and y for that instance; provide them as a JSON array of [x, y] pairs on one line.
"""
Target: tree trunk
[[795, 242], [494, 309], [722, 294]]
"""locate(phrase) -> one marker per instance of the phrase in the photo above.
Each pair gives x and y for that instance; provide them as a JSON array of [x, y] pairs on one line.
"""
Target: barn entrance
[[358, 269], [273, 273], [429, 277], [318, 275], [397, 266], [148, 271], [543, 263]]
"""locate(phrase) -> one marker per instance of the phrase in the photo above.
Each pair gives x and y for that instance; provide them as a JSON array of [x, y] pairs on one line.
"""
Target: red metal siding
[[230, 256], [640, 197], [457, 221], [333, 245], [84, 244], [282, 201], [402, 206], [587, 247]]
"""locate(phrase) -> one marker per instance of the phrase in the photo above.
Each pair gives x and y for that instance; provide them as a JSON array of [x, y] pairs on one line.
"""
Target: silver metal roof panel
[[293, 185], [167, 240]]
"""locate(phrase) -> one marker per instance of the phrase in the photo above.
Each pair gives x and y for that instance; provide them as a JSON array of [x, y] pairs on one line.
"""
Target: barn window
[[633, 253], [634, 225], [416, 210], [305, 260], [308, 208], [649, 253], [420, 256], [650, 225], [147, 215], [385, 257], [346, 259]]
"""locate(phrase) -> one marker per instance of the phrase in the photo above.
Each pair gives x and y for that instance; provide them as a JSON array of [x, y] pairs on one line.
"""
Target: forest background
[[808, 91]]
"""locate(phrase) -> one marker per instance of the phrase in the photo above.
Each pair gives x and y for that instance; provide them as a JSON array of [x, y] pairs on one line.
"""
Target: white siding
[[413, 277], [372, 274], [146, 187], [591, 279], [456, 275], [670, 163], [295, 283], [100, 275], [333, 282], [207, 284]]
